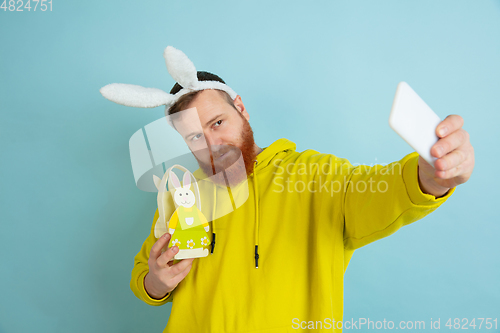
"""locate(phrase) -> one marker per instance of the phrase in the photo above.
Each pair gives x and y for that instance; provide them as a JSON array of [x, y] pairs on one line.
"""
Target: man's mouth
[[221, 155]]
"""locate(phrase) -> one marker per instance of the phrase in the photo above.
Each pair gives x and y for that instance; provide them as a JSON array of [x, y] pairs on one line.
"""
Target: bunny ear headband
[[182, 71]]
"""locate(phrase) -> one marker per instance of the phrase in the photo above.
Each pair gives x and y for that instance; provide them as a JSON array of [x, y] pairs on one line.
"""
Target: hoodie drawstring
[[265, 156], [255, 185], [256, 199], [213, 223]]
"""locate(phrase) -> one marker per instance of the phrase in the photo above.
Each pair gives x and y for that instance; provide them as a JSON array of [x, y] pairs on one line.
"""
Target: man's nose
[[213, 141]]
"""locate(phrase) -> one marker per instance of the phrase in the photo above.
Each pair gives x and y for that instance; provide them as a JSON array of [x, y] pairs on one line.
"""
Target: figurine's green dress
[[189, 226]]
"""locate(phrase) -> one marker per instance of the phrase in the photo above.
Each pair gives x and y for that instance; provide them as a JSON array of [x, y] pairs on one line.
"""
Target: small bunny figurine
[[188, 226]]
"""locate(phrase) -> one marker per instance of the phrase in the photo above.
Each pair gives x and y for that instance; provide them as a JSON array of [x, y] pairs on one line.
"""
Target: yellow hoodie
[[305, 213]]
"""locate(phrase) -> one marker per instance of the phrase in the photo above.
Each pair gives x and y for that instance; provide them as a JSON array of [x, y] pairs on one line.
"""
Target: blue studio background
[[320, 73]]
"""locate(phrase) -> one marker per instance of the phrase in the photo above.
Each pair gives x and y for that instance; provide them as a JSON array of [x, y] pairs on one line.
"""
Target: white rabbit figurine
[[187, 225]]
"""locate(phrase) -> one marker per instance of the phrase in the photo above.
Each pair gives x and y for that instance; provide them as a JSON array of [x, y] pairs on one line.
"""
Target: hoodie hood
[[261, 161], [269, 153]]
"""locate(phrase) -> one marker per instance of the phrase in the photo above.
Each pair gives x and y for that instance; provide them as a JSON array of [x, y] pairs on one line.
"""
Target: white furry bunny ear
[[136, 96], [180, 67]]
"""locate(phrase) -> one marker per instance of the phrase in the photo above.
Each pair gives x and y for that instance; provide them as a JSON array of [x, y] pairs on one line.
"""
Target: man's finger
[[449, 125], [179, 277], [167, 256], [451, 173], [449, 143], [451, 160], [458, 174], [180, 266], [158, 245]]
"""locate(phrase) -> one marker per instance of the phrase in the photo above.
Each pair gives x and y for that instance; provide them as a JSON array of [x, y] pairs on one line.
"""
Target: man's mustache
[[221, 150]]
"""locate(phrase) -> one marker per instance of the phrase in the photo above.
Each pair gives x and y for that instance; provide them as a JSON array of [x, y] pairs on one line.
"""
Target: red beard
[[238, 162]]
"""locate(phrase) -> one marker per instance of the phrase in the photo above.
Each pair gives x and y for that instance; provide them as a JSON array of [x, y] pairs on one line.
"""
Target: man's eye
[[218, 123], [196, 137]]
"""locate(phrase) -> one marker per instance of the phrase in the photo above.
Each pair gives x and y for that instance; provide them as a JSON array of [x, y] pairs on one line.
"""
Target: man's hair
[[184, 100]]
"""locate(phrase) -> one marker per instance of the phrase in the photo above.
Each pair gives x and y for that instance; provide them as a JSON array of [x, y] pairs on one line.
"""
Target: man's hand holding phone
[[455, 158]]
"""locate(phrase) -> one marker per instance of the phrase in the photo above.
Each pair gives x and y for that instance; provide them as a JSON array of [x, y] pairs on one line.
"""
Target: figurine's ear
[[186, 180], [136, 96], [157, 181], [180, 67], [175, 180]]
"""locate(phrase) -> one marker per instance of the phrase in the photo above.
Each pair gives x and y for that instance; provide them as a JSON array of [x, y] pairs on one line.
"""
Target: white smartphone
[[414, 121]]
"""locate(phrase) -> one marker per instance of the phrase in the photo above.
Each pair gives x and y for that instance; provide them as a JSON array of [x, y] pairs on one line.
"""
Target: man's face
[[219, 135]]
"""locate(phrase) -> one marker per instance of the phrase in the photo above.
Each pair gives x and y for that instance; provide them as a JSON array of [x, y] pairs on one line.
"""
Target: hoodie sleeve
[[141, 268], [379, 200]]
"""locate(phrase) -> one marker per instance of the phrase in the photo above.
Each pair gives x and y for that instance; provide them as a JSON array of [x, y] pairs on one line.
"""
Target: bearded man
[[304, 216]]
